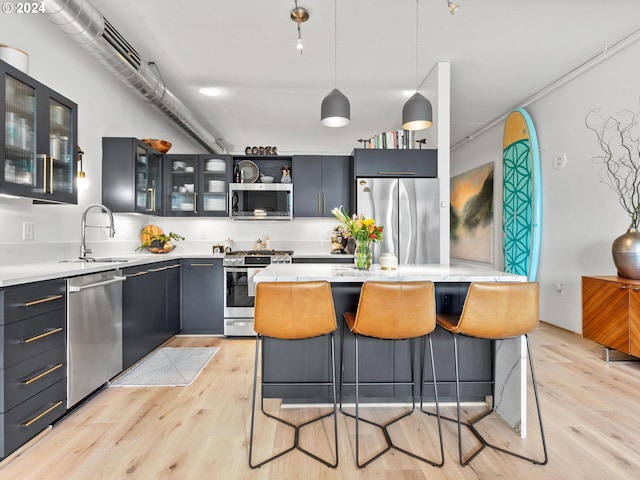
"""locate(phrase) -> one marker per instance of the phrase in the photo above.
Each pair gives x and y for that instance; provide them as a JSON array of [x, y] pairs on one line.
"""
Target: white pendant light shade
[[335, 110], [417, 113]]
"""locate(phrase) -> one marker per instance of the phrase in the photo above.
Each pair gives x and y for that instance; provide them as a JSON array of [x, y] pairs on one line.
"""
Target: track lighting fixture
[[299, 15], [335, 110], [453, 7]]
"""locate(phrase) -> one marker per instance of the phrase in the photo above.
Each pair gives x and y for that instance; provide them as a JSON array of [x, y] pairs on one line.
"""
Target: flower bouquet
[[363, 231]]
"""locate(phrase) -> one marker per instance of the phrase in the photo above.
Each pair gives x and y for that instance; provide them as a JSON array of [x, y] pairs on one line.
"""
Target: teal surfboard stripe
[[522, 204]]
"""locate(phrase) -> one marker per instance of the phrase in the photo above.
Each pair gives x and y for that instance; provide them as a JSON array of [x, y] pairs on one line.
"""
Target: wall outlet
[[27, 230]]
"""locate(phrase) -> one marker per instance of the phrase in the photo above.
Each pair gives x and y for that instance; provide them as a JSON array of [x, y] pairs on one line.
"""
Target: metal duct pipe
[[86, 26]]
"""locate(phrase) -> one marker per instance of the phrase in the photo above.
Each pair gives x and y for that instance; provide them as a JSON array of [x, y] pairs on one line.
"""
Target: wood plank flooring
[[591, 411]]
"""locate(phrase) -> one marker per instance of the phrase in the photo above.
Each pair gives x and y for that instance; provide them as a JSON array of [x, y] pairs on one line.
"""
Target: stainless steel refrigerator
[[408, 209]]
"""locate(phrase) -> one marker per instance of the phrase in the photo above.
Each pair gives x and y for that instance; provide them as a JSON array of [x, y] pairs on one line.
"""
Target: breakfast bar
[[483, 362]]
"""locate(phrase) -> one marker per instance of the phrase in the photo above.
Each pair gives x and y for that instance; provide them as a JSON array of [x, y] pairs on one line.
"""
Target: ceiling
[[501, 52]]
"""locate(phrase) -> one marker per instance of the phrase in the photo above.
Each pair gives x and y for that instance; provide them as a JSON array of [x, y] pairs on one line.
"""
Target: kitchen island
[[482, 362]]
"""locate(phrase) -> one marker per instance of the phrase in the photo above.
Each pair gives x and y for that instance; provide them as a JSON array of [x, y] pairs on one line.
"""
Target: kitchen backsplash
[[57, 234]]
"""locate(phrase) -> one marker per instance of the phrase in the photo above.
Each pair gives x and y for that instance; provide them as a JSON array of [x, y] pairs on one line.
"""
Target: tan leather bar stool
[[393, 311], [495, 311], [294, 311]]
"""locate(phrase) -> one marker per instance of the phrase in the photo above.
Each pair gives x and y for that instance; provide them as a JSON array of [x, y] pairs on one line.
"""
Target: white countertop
[[37, 272], [342, 273]]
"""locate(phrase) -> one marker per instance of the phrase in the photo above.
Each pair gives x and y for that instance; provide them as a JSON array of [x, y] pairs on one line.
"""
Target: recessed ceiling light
[[210, 91], [408, 93]]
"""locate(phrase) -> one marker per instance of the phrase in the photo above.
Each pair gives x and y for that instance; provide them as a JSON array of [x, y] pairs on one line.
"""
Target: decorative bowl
[[162, 146], [266, 179]]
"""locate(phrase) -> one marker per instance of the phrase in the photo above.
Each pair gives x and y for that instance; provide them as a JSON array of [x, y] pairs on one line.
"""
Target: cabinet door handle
[[40, 415], [42, 374], [177, 265], [396, 173], [319, 204], [137, 274], [42, 335], [622, 287], [201, 265], [44, 170], [195, 202], [324, 204], [42, 300], [51, 175], [158, 269]]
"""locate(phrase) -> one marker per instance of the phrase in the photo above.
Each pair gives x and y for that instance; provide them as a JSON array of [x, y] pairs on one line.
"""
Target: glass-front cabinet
[[38, 148], [197, 185], [148, 175], [131, 176]]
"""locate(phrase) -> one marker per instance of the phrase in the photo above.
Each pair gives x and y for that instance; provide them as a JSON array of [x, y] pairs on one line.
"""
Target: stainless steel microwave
[[261, 201]]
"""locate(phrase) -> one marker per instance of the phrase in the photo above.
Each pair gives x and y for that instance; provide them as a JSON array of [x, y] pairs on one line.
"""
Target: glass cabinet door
[[148, 181], [183, 185], [59, 176], [215, 180], [20, 161]]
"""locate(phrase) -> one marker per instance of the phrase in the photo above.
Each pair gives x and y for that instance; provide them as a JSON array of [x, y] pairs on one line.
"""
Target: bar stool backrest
[[294, 310], [498, 310], [396, 310]]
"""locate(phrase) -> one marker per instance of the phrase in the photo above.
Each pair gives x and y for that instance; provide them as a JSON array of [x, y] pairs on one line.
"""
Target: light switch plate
[[27, 230]]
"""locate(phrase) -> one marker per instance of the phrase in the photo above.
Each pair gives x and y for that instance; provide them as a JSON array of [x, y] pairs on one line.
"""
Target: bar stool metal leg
[[384, 427], [472, 423], [297, 428]]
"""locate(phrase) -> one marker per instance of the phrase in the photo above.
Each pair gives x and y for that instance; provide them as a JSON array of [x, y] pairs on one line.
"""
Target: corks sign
[[261, 151]]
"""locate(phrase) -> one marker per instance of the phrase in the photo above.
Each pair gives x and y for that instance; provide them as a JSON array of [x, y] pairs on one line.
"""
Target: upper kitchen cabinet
[[197, 185], [131, 176], [388, 162], [38, 150], [321, 183]]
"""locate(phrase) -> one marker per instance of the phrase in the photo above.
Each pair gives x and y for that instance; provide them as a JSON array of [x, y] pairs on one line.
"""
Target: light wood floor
[[591, 411]]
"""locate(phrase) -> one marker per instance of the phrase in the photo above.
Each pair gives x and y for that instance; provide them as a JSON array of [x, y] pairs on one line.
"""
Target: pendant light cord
[[417, 22], [335, 43]]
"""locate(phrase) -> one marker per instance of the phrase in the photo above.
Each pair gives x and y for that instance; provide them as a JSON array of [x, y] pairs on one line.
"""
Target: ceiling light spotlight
[[417, 113], [453, 7], [210, 91], [299, 15], [335, 110]]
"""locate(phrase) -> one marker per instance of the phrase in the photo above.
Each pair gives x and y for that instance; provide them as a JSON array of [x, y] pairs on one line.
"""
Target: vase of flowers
[[618, 137], [364, 231]]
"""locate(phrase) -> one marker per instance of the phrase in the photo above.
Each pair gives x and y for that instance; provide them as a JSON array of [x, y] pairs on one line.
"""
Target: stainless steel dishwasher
[[94, 332]]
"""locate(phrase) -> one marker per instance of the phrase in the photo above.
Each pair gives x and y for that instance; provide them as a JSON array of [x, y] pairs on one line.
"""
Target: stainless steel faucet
[[84, 251]]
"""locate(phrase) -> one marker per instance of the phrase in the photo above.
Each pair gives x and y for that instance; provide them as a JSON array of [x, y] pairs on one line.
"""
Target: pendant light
[[335, 110], [417, 113]]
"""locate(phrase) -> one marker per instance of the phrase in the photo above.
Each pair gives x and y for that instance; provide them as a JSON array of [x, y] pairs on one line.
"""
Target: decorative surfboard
[[522, 195]]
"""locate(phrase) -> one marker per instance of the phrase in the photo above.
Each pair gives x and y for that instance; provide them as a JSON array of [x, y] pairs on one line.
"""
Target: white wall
[[107, 108], [581, 216]]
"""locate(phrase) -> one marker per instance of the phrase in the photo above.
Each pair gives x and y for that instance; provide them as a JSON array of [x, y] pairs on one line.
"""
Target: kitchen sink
[[97, 260]]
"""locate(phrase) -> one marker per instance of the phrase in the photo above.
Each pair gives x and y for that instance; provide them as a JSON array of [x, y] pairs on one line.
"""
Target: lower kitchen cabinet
[[150, 308], [33, 386], [202, 296], [611, 312]]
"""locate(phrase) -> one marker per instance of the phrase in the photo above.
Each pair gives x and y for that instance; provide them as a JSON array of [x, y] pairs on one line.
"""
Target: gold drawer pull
[[201, 264], [137, 274], [42, 300], [43, 374], [396, 173], [42, 335], [39, 416]]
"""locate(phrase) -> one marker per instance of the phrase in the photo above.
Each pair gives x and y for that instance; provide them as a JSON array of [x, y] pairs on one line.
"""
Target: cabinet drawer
[[25, 379], [30, 300], [29, 337], [29, 418]]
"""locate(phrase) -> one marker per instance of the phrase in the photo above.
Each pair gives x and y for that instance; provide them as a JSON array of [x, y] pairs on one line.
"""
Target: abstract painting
[[472, 215]]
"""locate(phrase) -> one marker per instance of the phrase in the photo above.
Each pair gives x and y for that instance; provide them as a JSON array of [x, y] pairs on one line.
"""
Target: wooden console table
[[611, 313]]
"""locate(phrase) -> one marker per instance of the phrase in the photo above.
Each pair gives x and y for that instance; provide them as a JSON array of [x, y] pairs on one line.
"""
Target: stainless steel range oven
[[239, 269]]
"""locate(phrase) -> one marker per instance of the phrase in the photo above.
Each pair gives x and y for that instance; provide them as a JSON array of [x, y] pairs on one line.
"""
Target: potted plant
[[618, 137], [156, 241]]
